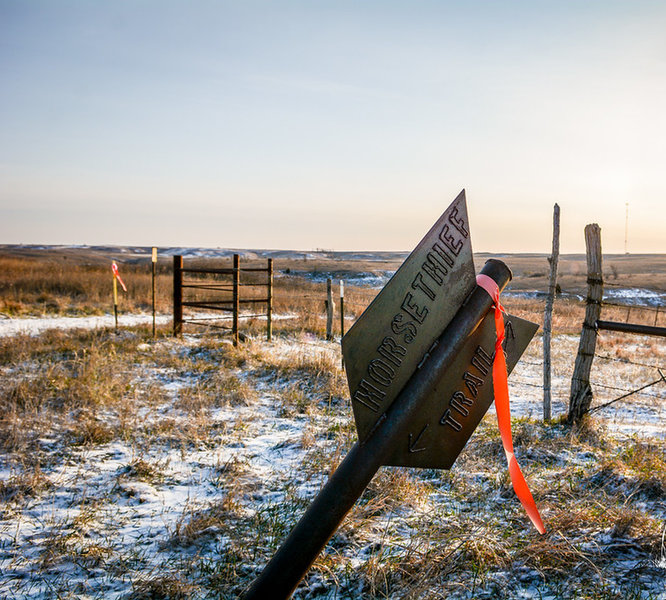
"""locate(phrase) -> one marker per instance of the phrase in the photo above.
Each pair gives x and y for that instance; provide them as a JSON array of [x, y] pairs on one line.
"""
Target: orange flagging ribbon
[[501, 389], [114, 268]]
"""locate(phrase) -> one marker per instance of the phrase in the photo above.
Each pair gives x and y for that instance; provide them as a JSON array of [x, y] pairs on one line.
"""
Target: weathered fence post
[[342, 308], [548, 313], [581, 392], [177, 295], [342, 315], [329, 309], [236, 299], [269, 308]]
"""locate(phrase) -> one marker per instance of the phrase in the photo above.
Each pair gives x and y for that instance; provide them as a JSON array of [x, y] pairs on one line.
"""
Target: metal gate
[[222, 291]]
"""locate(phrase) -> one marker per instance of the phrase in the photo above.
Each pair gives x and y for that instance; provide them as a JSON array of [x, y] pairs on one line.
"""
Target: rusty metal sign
[[386, 344]]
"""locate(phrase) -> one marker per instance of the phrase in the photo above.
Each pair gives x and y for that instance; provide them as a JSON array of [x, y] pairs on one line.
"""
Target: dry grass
[[63, 395], [28, 481], [177, 407], [413, 534], [33, 286], [162, 586]]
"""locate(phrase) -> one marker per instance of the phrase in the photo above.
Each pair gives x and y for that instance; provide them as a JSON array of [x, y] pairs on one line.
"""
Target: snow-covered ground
[[643, 413], [375, 280], [130, 517], [641, 296], [36, 325], [96, 506], [100, 529]]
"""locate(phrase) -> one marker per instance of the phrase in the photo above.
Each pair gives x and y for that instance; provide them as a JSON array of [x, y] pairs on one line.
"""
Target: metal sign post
[[419, 367]]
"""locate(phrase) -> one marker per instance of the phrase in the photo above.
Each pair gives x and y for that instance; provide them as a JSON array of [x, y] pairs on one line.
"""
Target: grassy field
[[172, 468], [77, 281]]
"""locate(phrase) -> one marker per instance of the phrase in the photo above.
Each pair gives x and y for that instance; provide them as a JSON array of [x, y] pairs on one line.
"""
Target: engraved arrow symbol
[[510, 336], [413, 443]]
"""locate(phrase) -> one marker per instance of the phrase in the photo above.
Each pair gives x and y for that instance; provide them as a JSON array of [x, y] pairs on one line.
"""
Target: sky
[[342, 125]]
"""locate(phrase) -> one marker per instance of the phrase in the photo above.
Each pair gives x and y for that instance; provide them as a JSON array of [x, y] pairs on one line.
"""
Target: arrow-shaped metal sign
[[393, 336], [419, 364], [389, 340]]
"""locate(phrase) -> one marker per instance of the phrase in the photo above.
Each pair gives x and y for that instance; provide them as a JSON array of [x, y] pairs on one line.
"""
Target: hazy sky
[[322, 124]]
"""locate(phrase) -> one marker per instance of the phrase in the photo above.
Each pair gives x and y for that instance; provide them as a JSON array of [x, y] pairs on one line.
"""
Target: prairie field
[[136, 467]]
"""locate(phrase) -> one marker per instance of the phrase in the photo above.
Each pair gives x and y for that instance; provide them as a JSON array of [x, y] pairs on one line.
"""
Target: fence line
[[637, 391], [594, 383], [628, 392]]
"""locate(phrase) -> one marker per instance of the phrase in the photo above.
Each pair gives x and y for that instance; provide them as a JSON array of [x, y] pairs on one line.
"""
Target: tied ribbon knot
[[114, 269], [502, 407]]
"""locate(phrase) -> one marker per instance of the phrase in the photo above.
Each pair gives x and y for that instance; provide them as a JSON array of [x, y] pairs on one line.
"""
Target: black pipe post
[[293, 559], [235, 299], [177, 295], [269, 303]]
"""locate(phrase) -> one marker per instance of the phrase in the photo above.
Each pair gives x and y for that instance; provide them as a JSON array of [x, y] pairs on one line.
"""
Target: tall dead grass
[[62, 396], [58, 286], [50, 286]]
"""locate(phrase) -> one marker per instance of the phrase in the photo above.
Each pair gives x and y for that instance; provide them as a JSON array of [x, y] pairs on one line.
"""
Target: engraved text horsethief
[[419, 367]]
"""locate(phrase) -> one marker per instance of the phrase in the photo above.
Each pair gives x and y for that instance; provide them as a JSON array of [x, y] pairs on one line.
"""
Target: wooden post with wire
[[177, 295], [269, 307], [235, 298], [548, 313], [580, 397], [342, 309], [153, 263], [342, 315]]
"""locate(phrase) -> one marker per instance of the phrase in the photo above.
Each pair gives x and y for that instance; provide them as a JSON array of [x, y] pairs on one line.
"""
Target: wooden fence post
[[342, 308], [329, 309], [269, 309], [342, 317], [581, 391], [236, 303], [548, 313], [177, 295]]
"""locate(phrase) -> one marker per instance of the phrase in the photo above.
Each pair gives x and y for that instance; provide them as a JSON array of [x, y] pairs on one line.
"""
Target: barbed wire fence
[[646, 389]]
